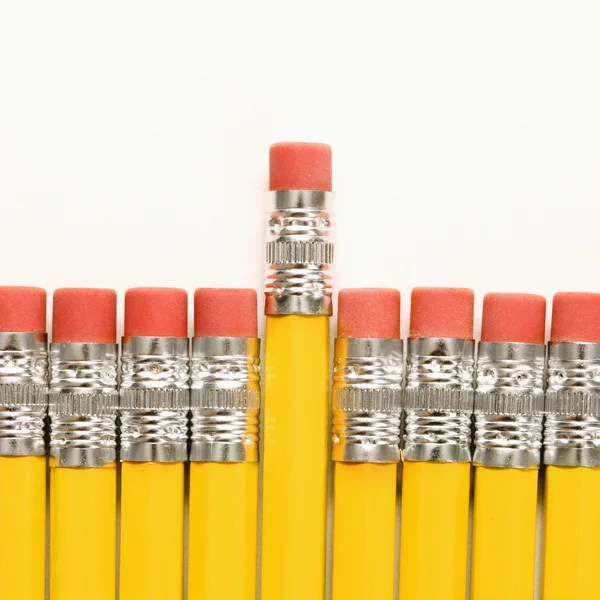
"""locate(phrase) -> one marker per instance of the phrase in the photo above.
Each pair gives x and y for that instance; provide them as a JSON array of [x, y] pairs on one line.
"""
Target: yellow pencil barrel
[[364, 531], [223, 536], [509, 404], [295, 457], [152, 515], [434, 529], [571, 533], [83, 533], [504, 534], [434, 525], [22, 527], [223, 506]]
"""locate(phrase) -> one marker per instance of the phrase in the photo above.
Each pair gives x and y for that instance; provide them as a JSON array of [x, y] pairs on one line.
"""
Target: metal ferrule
[[155, 399], [367, 393], [23, 393], [83, 404], [225, 399], [572, 427], [438, 400], [299, 253], [509, 405]]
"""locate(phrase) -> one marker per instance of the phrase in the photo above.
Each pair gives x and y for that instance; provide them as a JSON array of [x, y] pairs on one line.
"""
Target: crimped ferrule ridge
[[367, 391], [438, 399], [225, 399], [83, 404], [23, 393], [509, 405], [154, 399], [299, 253], [572, 426]]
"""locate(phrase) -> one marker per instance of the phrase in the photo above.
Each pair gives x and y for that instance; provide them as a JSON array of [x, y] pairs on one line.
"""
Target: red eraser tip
[[156, 312], [84, 315], [22, 309], [575, 317], [514, 318], [442, 313], [369, 313], [225, 312], [300, 166]]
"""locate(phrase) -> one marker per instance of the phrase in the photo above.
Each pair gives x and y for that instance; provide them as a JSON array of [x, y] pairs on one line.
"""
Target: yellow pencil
[[571, 452], [298, 304], [23, 408], [366, 437], [154, 431], [224, 446], [436, 472], [509, 403], [83, 442]]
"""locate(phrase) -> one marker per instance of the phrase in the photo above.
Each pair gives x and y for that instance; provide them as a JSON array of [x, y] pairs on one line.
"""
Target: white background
[[134, 139]]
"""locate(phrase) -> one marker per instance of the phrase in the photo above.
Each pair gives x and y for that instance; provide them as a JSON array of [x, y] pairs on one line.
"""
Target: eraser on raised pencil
[[156, 312], [225, 312], [513, 318], [442, 313], [300, 166], [84, 315], [369, 313], [22, 309], [575, 317]]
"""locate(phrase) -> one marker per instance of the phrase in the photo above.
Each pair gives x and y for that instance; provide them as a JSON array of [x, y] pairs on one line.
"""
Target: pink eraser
[[575, 317], [369, 313], [442, 313], [84, 315], [156, 312], [221, 312], [22, 309], [300, 166], [514, 318]]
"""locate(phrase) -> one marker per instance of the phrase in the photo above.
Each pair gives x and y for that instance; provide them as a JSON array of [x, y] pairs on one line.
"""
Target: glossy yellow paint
[[434, 531], [23, 522], [223, 531], [571, 534], [504, 529], [83, 533], [295, 457], [364, 531], [152, 514]]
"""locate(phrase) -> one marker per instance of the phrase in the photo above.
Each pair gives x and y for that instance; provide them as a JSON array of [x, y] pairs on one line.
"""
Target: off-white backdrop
[[134, 139]]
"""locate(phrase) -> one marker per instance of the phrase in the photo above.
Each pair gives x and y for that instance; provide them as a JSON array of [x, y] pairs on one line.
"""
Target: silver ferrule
[[366, 400], [155, 399], [509, 405], [83, 404], [23, 393], [438, 400], [572, 427], [225, 399], [299, 253]]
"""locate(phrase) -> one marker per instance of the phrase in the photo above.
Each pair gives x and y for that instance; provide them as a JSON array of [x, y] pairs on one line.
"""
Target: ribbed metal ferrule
[[366, 400], [83, 404], [299, 253], [225, 399], [438, 399], [154, 399], [509, 405], [23, 393], [572, 427]]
